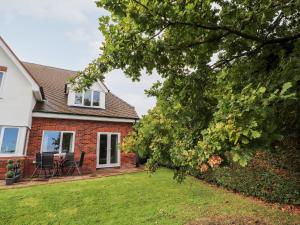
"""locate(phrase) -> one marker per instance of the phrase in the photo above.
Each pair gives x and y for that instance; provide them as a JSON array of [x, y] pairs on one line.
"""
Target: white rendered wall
[[16, 97]]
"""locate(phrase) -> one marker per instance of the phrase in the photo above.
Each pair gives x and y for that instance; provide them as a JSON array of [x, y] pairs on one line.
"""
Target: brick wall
[[85, 140], [3, 163]]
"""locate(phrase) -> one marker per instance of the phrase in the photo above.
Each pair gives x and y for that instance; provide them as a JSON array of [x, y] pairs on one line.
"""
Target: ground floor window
[[58, 141], [8, 139]]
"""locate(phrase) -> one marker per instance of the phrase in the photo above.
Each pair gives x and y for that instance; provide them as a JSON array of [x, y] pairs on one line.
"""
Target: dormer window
[[88, 98], [94, 97]]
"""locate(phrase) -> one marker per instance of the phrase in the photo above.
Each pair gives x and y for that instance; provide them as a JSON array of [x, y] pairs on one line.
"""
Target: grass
[[131, 199]]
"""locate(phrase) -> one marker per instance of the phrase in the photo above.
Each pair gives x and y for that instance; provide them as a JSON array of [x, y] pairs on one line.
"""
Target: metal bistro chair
[[68, 159], [71, 164], [44, 162], [38, 163]]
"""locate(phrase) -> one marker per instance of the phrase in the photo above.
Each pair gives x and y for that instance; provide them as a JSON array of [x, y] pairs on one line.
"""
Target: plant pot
[[9, 181]]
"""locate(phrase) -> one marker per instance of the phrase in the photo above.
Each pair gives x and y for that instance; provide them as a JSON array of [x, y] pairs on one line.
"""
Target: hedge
[[264, 177]]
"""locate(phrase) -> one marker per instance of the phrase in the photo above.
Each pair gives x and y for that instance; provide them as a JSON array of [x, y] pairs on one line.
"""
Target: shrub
[[10, 166], [10, 174], [261, 178], [10, 161]]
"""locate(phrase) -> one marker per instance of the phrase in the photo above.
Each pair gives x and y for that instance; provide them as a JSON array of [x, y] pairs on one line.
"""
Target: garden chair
[[67, 163], [75, 165], [38, 163], [44, 162]]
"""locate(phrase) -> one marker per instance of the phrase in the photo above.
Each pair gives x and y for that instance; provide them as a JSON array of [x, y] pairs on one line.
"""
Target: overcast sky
[[64, 33]]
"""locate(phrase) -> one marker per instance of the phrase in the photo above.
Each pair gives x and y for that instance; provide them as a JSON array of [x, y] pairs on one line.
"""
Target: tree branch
[[282, 39], [239, 33], [220, 63], [227, 28], [196, 43]]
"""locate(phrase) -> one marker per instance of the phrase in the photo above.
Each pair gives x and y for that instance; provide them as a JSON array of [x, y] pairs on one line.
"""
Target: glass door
[[108, 152]]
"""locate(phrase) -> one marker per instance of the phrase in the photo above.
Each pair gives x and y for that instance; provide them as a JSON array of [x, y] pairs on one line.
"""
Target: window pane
[[103, 149], [114, 148], [51, 141], [78, 98], [67, 143], [9, 141], [1, 78], [87, 98], [96, 98]]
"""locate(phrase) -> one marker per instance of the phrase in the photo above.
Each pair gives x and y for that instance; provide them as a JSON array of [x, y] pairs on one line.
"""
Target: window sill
[[57, 154], [87, 107], [2, 155]]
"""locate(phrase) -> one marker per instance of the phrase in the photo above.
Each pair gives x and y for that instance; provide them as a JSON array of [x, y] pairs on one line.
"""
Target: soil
[[228, 221]]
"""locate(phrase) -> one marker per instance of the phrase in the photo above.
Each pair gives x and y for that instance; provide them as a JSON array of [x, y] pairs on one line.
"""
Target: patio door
[[108, 150]]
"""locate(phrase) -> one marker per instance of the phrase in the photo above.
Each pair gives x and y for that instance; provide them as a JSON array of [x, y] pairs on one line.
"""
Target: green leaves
[[262, 90], [255, 134], [286, 86]]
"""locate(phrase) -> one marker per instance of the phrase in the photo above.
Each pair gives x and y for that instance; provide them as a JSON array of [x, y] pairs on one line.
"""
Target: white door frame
[[108, 164]]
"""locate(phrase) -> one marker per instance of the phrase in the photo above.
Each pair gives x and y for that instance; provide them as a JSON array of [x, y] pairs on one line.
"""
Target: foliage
[[262, 177], [131, 199], [241, 123], [10, 174], [262, 184], [151, 137], [10, 165], [230, 74]]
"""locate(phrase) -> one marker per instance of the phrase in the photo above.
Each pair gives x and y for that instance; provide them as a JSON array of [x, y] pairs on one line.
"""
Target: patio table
[[59, 164]]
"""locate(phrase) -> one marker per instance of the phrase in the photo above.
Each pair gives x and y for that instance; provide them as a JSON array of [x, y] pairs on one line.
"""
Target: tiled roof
[[53, 81]]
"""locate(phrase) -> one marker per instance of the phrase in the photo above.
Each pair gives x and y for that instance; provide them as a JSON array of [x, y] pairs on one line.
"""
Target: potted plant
[[9, 177], [10, 174]]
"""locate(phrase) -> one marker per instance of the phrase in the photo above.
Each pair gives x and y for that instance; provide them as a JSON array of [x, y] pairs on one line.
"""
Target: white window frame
[[108, 164], [60, 144], [92, 99], [2, 83], [2, 129]]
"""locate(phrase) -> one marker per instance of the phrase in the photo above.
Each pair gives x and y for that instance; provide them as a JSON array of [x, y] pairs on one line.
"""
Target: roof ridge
[[122, 100], [53, 67]]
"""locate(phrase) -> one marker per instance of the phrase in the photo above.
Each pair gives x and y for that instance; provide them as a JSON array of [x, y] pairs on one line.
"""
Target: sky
[[64, 34]]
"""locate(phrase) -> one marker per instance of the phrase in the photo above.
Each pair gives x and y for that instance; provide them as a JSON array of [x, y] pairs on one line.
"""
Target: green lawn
[[131, 199]]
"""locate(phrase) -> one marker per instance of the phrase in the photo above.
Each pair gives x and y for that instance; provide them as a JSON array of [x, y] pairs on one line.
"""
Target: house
[[39, 112]]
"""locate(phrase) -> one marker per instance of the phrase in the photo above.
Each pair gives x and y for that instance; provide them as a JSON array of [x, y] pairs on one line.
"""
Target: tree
[[230, 69]]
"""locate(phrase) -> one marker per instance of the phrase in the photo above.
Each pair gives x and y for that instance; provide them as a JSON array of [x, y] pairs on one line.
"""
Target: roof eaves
[[78, 114]]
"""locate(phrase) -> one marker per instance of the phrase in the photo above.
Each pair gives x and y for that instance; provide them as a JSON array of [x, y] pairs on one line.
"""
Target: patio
[[27, 182]]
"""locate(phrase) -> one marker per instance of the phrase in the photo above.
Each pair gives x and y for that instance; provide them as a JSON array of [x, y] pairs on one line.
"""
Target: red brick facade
[[85, 140]]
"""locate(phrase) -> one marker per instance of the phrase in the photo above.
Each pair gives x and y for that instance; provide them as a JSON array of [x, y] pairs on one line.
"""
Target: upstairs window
[[87, 98], [96, 98], [78, 99], [1, 79]]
